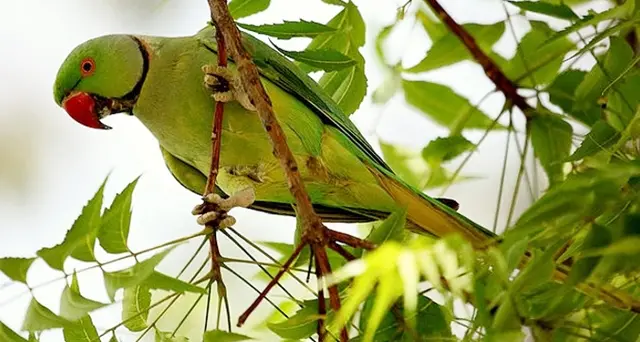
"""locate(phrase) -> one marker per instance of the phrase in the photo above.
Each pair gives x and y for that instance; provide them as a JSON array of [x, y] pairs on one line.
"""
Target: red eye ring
[[87, 67]]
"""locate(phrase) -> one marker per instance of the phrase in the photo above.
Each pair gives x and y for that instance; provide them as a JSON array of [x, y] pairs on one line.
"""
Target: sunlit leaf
[[450, 50], [561, 93], [403, 163], [387, 89], [39, 318], [380, 40], [73, 305], [537, 62], [82, 331], [132, 276], [135, 307], [223, 336], [551, 140], [434, 28], [616, 12], [600, 138], [162, 281], [325, 59], [162, 336], [301, 325], [116, 220], [593, 84], [16, 268], [392, 228], [560, 11], [346, 87], [444, 106], [443, 149], [9, 335], [290, 29], [80, 239], [244, 8]]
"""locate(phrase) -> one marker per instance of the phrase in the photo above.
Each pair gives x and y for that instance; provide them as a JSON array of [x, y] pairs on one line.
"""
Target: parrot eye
[[87, 67]]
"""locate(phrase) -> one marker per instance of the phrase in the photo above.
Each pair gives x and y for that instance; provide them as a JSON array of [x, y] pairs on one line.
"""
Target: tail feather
[[428, 215]]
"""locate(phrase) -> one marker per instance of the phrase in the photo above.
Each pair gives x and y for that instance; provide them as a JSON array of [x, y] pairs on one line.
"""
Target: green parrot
[[159, 80]]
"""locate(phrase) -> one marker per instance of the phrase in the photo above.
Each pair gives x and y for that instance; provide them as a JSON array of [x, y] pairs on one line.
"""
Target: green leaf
[[434, 28], [444, 106], [629, 246], [114, 230], [551, 141], [113, 339], [402, 163], [80, 239], [392, 228], [132, 276], [325, 59], [387, 89], [380, 40], [290, 29], [244, 8], [598, 236], [162, 336], [616, 12], [601, 137], [560, 11], [431, 322], [73, 305], [135, 307], [594, 83], [223, 336], [450, 50], [299, 326], [9, 335], [39, 318], [162, 281], [445, 149], [346, 87], [81, 331], [16, 268], [537, 62], [561, 93]]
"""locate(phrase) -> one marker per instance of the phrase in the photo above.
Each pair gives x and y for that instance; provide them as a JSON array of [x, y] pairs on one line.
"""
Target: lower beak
[[81, 107]]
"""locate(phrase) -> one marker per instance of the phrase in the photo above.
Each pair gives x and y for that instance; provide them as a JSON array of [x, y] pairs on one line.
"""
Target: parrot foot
[[214, 209], [226, 86]]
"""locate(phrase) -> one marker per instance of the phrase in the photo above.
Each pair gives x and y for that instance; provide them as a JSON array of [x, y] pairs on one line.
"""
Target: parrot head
[[100, 77]]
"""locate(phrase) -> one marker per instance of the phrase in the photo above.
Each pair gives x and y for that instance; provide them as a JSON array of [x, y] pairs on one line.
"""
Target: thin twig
[[491, 69]]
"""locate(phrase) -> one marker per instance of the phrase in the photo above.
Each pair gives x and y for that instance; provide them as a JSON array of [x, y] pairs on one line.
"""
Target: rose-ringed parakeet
[[160, 81]]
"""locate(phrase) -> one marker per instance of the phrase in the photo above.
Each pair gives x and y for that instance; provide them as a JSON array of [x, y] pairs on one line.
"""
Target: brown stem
[[322, 308], [322, 262], [272, 283], [350, 240], [343, 252], [250, 79], [491, 69]]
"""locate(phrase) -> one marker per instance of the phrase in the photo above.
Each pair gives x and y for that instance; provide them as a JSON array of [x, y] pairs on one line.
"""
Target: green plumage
[[346, 180]]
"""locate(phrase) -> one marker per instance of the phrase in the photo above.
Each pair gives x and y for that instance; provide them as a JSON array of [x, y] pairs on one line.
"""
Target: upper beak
[[81, 107]]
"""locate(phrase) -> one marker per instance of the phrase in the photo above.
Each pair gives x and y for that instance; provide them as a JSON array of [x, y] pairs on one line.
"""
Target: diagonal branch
[[491, 69], [250, 79]]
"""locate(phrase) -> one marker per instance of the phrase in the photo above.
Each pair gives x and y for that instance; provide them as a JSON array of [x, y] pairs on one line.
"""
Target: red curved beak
[[82, 108]]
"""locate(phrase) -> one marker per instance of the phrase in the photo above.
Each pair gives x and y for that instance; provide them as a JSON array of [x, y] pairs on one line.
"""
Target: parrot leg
[[214, 210], [226, 86]]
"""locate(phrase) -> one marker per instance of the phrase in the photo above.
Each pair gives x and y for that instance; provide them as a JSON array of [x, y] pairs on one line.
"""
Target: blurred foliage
[[575, 247]]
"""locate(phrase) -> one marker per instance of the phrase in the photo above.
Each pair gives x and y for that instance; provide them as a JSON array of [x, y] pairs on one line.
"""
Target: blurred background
[[50, 166]]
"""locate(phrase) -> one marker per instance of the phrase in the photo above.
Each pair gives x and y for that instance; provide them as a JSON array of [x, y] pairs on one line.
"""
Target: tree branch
[[491, 69]]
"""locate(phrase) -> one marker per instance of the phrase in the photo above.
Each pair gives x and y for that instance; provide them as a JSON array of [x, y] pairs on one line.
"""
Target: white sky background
[[50, 165]]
